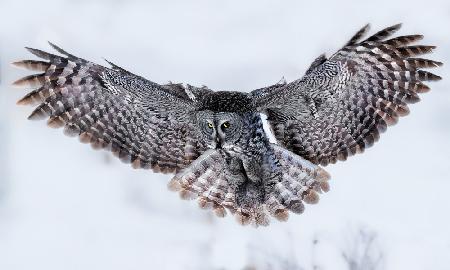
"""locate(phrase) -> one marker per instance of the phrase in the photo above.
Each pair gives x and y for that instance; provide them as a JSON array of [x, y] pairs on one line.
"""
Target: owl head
[[219, 129]]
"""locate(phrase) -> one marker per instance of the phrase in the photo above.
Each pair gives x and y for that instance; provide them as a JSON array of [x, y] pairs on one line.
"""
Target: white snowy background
[[65, 206]]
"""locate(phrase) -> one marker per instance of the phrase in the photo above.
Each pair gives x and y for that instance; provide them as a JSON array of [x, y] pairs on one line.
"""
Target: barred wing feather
[[140, 121], [343, 103]]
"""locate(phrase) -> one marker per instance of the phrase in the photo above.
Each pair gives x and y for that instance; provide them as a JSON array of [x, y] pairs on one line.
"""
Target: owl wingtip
[[17, 64], [397, 25], [22, 102]]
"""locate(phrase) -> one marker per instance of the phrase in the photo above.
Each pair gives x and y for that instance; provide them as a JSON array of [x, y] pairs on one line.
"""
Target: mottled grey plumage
[[215, 141], [343, 103]]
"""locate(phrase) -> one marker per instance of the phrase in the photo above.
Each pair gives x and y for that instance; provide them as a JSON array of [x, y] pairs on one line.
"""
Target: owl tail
[[204, 180], [301, 182]]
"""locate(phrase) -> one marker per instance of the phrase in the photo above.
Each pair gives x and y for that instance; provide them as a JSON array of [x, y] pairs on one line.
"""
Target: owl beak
[[218, 143]]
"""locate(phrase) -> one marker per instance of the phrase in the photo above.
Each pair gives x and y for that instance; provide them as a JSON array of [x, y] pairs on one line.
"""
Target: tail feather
[[204, 180], [300, 183], [207, 180]]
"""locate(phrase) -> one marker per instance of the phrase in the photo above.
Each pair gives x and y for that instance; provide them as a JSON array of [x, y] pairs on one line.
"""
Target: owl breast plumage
[[214, 141]]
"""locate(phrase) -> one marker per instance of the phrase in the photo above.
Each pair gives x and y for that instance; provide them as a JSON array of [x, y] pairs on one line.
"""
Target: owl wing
[[140, 121], [342, 104]]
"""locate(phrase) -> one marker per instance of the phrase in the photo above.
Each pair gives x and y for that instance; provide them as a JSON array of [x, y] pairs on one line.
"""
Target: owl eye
[[226, 125], [210, 125]]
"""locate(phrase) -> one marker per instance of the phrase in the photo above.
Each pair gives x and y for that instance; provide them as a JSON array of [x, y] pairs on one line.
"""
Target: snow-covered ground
[[65, 206]]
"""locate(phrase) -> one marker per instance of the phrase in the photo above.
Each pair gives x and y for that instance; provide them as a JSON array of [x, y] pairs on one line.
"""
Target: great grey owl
[[215, 143]]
